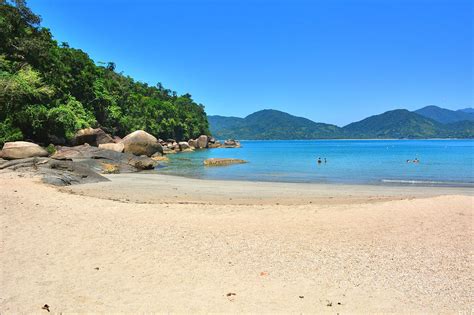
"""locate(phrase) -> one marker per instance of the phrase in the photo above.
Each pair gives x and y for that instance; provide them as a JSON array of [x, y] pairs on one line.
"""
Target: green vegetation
[[270, 124], [48, 90], [396, 124]]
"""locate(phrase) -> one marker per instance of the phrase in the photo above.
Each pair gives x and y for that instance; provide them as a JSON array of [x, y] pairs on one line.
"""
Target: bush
[[8, 132]]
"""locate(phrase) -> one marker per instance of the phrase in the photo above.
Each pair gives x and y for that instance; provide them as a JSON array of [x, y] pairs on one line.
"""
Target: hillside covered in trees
[[49, 90], [395, 124]]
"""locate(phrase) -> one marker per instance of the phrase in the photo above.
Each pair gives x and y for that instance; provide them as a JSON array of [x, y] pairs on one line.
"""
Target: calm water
[[442, 162]]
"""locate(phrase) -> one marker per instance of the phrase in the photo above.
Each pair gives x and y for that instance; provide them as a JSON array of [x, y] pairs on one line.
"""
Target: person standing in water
[[319, 160]]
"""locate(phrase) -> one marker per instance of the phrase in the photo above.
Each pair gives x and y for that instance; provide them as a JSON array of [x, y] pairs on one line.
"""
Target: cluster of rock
[[95, 152], [170, 146]]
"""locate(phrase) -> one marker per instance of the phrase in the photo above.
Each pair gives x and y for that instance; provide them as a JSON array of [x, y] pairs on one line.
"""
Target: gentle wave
[[426, 182]]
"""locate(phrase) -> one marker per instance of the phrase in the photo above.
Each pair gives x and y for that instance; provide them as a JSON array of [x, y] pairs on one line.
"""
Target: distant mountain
[[460, 129], [399, 123], [396, 124], [467, 110], [446, 116], [222, 122], [270, 124]]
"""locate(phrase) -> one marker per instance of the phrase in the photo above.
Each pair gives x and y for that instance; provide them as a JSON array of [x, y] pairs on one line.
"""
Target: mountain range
[[427, 122]]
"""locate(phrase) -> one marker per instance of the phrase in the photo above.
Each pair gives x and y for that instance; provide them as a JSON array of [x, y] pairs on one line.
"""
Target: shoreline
[[160, 188], [382, 182]]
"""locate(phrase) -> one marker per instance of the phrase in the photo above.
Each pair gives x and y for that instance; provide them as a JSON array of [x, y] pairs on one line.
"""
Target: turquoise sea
[[442, 162]]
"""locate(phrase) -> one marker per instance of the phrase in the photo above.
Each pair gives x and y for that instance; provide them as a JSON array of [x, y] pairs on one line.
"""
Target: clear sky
[[333, 61]]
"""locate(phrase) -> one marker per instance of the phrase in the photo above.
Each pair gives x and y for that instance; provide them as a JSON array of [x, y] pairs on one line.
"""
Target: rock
[[202, 142], [143, 163], [84, 151], [117, 139], [223, 161], [192, 143], [22, 163], [64, 173], [160, 158], [93, 156], [184, 146], [117, 147], [21, 150], [167, 150], [108, 168], [214, 145], [172, 146], [92, 136], [231, 143], [141, 143], [212, 140]]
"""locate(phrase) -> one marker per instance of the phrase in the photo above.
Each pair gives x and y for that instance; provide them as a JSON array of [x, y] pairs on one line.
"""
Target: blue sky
[[332, 61]]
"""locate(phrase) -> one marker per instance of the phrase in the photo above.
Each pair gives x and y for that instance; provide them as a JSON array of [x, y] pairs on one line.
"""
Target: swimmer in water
[[319, 160]]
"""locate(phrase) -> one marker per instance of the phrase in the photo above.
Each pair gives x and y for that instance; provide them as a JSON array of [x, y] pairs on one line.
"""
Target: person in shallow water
[[319, 160]]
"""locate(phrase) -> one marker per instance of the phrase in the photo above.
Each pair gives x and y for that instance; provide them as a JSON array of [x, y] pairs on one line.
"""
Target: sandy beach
[[151, 243]]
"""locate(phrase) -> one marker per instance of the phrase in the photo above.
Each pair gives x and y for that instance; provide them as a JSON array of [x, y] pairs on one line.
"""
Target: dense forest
[[49, 90]]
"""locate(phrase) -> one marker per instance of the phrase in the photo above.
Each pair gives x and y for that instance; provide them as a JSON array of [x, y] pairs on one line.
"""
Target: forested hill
[[270, 124], [49, 90], [445, 116], [395, 124]]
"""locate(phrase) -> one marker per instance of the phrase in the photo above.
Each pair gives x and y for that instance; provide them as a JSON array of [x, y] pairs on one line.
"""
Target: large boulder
[[141, 143], [202, 142], [184, 146], [22, 150], [192, 143], [92, 136], [95, 157], [117, 147]]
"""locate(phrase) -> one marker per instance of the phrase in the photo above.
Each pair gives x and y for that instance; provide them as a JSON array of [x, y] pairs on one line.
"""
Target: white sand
[[369, 248]]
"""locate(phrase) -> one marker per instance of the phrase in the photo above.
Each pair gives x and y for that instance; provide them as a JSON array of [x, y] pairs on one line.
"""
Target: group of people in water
[[321, 160]]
